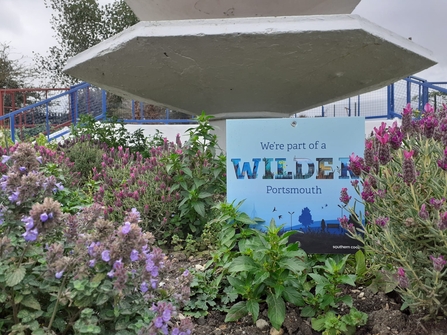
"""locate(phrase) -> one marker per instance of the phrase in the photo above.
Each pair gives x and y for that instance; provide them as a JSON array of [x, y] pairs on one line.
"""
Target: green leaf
[[228, 237], [242, 263], [360, 264], [348, 279], [199, 207], [237, 284], [292, 264], [237, 311], [292, 295], [307, 312], [347, 299], [31, 302], [276, 310], [318, 324], [203, 195], [16, 276], [244, 218], [187, 171], [253, 309]]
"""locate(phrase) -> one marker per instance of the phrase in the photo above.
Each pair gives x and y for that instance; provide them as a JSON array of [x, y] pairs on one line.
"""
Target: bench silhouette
[[332, 225]]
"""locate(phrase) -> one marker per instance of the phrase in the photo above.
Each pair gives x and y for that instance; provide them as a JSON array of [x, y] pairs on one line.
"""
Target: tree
[[79, 25], [13, 74]]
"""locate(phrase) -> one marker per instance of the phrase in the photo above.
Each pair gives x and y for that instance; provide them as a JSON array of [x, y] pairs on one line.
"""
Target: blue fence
[[53, 116], [386, 103]]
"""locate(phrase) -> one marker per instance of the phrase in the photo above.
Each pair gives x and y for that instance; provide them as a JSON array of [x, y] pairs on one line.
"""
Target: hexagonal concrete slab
[[249, 67], [155, 10]]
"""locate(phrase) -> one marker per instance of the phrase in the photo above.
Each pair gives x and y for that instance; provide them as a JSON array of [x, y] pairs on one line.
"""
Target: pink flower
[[438, 263], [408, 154], [423, 214], [383, 139], [343, 221], [428, 108], [344, 197], [407, 110], [402, 278], [381, 130], [382, 221]]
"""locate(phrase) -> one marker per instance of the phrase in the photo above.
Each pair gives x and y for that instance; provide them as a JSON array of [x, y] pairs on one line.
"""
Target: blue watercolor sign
[[292, 171]]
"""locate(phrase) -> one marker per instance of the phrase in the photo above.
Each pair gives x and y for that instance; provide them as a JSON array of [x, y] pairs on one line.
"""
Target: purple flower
[[135, 212], [14, 197], [343, 221], [22, 169], [105, 255], [59, 274], [39, 159], [5, 159], [442, 224], [166, 316], [91, 248], [437, 204], [344, 197], [423, 214], [29, 222], [382, 221], [134, 255], [186, 273], [111, 273], [59, 187], [43, 217], [154, 283], [91, 263], [354, 182], [402, 278], [438, 263], [408, 168], [143, 287], [30, 235], [4, 182], [125, 229], [118, 264], [158, 323]]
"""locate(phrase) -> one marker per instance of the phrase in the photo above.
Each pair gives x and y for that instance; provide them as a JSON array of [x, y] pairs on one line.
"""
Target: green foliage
[[404, 196], [198, 174], [205, 293], [85, 156], [42, 140], [76, 274], [210, 288], [332, 324], [79, 25], [322, 291], [13, 74], [111, 133], [268, 269]]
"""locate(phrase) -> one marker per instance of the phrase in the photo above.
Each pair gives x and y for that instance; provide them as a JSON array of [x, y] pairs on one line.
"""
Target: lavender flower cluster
[[403, 182]]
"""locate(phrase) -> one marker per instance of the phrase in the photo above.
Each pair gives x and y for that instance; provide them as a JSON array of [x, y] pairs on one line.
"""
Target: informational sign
[[292, 170]]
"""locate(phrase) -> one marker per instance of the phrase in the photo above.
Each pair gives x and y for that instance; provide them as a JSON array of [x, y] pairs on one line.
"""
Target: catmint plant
[[405, 212]]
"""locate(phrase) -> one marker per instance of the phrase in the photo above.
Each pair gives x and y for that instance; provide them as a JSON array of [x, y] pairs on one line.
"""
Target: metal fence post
[[47, 122], [12, 128], [390, 101], [104, 104]]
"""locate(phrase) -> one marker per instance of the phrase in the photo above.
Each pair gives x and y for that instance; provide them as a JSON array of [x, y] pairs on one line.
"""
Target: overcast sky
[[24, 25]]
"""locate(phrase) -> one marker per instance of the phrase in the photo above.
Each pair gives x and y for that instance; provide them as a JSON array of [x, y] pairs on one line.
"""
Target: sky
[[25, 27]]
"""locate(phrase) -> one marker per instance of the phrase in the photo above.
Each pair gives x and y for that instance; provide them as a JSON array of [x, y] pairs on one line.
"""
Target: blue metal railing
[[52, 116], [386, 103]]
